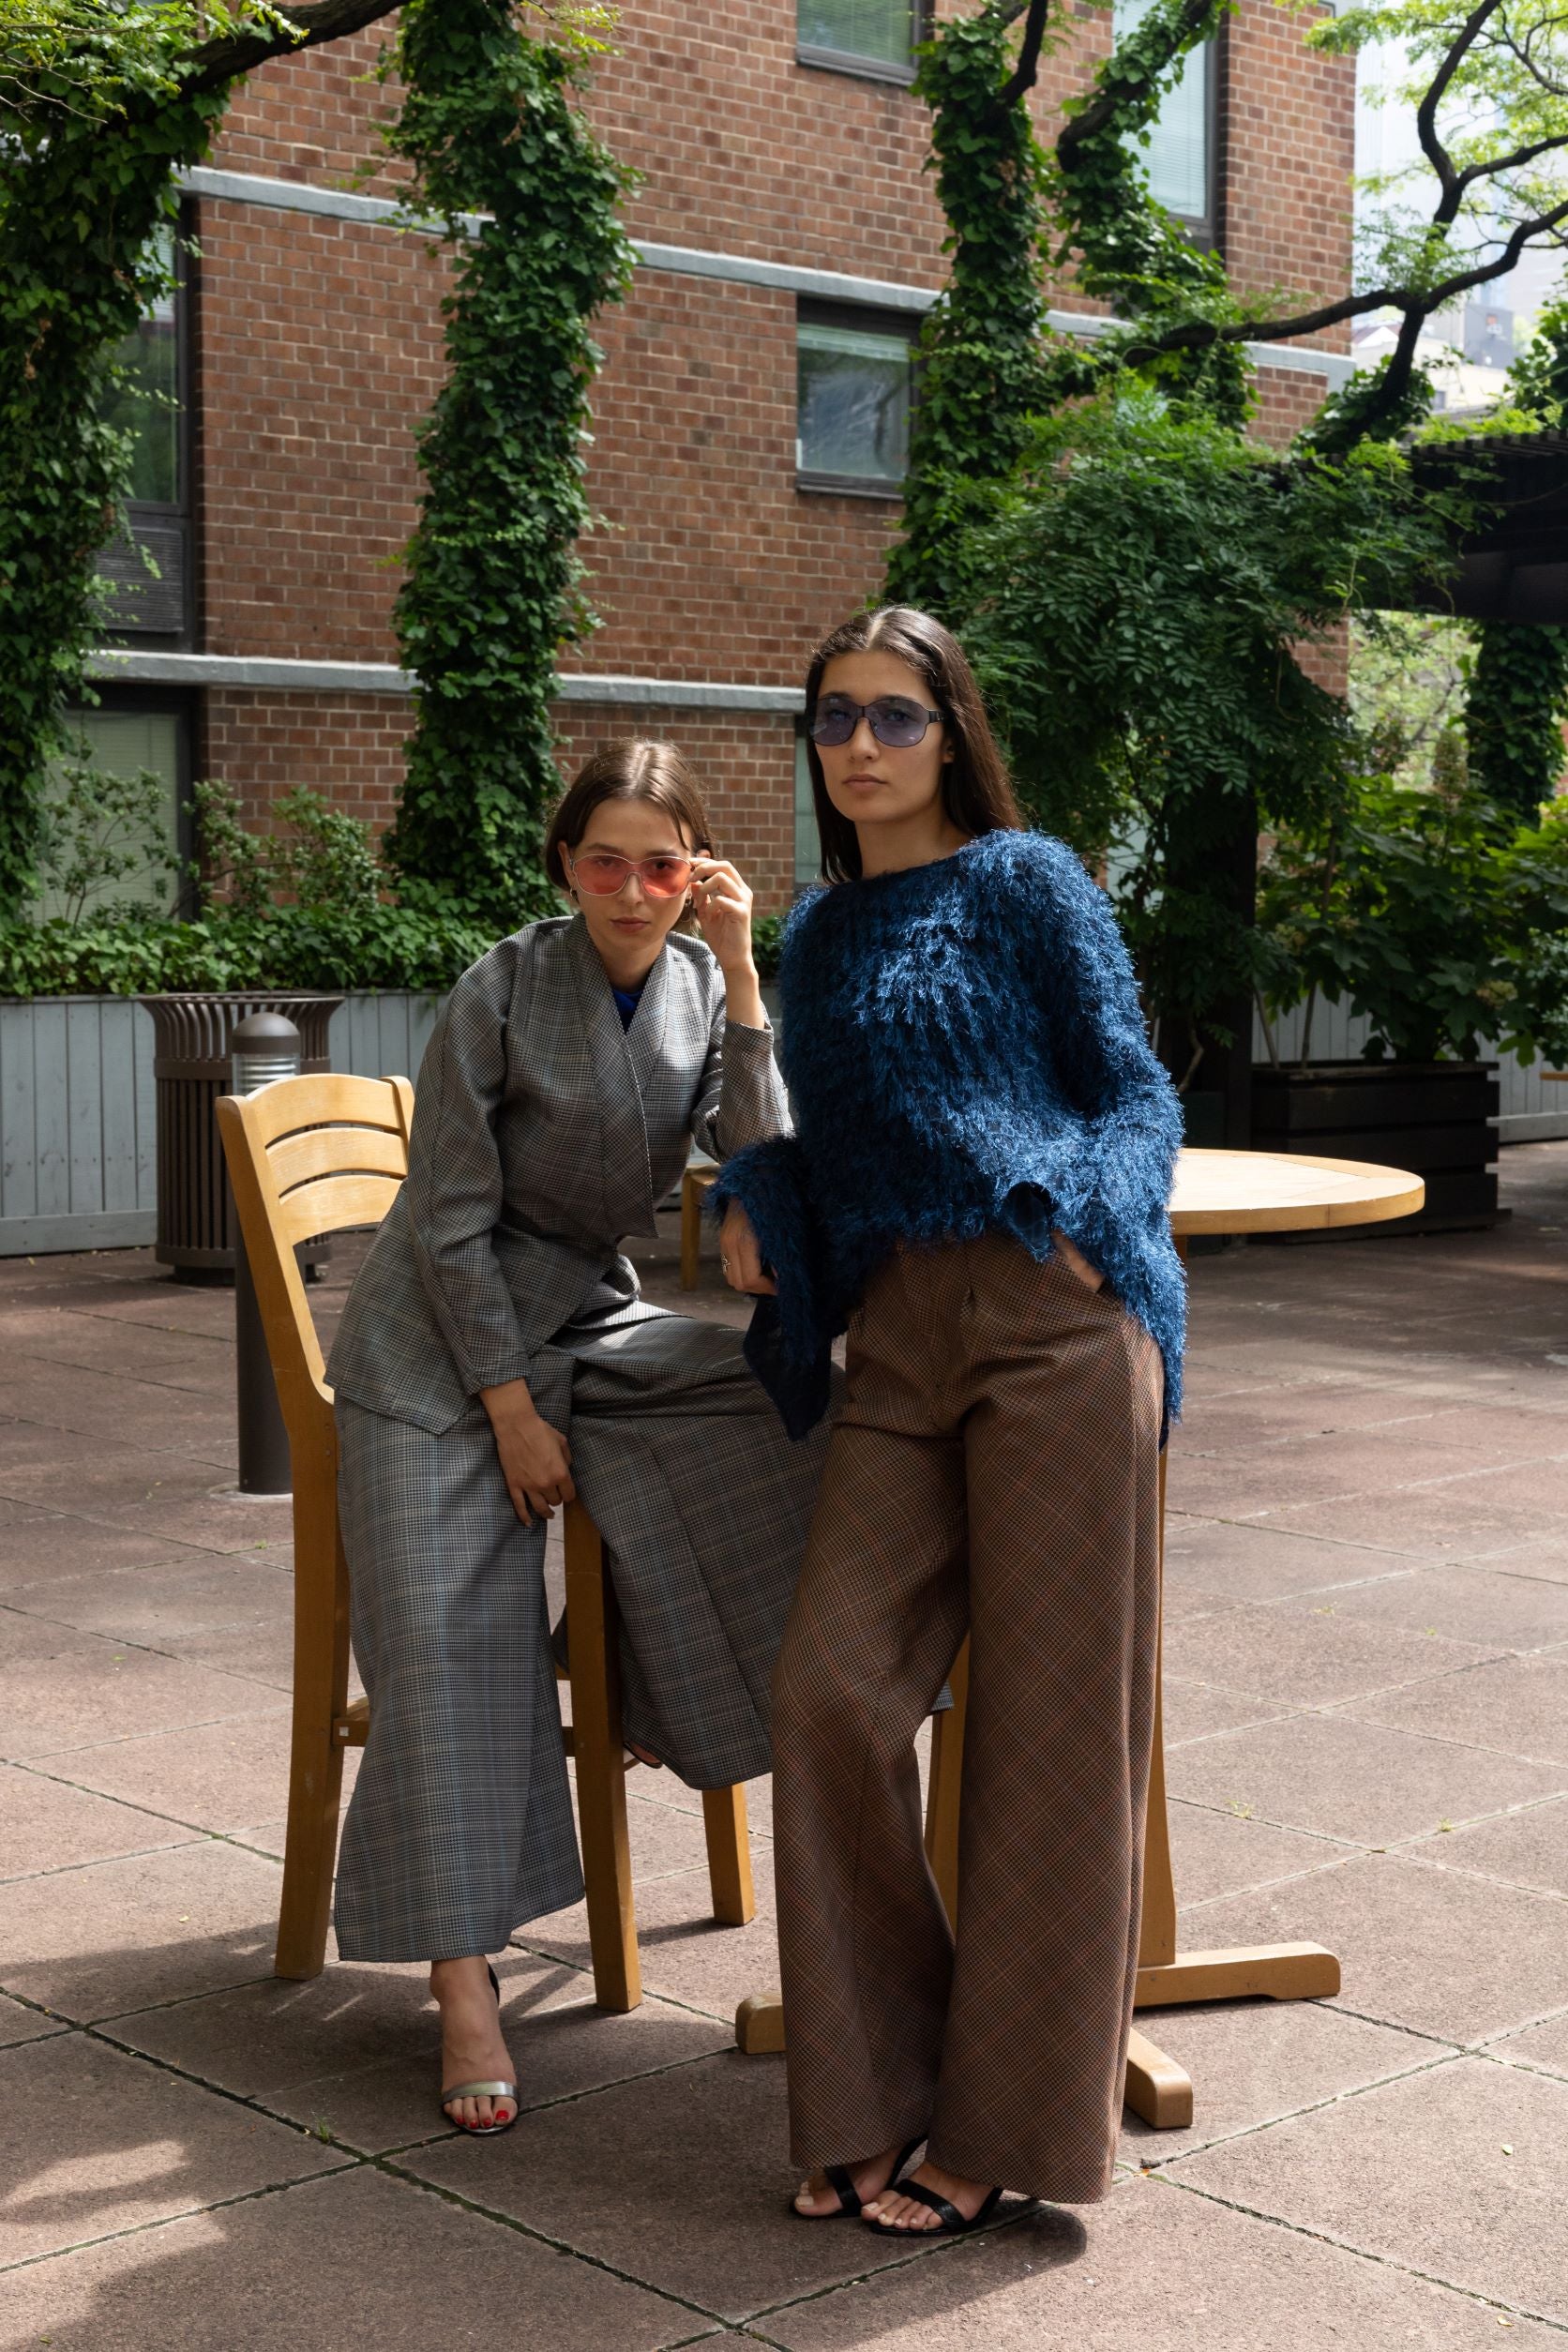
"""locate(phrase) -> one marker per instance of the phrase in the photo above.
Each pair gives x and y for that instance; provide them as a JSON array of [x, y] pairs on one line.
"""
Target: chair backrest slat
[[289, 1185], [330, 1203], [296, 1159]]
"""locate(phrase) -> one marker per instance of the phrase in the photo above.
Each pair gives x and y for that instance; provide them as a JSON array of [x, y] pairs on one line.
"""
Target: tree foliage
[[492, 588], [1152, 579], [1519, 696]]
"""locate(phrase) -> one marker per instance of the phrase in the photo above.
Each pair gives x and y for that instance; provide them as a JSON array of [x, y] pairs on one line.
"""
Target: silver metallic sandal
[[483, 2091]]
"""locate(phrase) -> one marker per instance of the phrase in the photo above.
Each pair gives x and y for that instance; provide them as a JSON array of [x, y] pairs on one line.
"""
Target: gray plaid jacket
[[543, 1132]]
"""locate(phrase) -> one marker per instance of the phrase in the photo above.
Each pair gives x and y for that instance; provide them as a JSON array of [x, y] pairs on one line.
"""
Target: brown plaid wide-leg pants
[[995, 1470]]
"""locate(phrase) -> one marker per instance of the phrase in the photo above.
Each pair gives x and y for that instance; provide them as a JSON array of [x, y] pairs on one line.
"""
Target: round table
[[1215, 1192]]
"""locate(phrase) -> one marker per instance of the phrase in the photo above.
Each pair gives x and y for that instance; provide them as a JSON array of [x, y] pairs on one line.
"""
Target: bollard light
[[264, 1046]]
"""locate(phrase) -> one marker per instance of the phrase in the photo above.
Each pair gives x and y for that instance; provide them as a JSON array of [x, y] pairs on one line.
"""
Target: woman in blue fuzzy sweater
[[977, 1190]]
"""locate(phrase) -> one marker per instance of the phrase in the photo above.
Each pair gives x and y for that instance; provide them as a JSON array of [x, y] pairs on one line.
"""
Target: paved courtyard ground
[[1368, 1704]]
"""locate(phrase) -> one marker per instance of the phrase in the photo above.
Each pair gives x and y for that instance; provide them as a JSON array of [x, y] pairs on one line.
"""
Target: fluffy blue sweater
[[965, 1053]]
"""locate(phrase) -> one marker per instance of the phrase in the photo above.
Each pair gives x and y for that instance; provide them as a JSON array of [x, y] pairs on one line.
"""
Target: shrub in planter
[[303, 909], [1442, 919]]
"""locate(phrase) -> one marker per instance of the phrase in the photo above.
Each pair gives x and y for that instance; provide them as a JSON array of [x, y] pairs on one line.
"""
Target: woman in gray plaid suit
[[495, 1358]]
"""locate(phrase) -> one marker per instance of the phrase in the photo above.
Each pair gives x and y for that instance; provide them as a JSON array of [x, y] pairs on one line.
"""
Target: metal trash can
[[191, 1036]]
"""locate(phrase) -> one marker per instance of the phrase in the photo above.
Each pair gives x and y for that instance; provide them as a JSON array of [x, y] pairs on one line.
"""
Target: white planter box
[[77, 1128]]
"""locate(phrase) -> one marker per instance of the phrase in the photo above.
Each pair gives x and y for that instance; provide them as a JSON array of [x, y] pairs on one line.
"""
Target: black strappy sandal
[[849, 2201], [951, 2223], [483, 2091]]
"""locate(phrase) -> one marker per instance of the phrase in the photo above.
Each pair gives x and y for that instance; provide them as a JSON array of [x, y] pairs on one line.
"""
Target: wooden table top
[[1284, 1192]]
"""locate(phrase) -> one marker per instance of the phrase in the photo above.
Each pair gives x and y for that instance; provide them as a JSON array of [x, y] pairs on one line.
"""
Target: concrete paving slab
[[1196, 1711], [92, 2142], [119, 1407], [18, 2022], [1440, 1952], [1307, 1653], [1154, 2266], [1254, 2062], [178, 1360], [38, 1545], [218, 1775], [25, 1637], [1547, 1562], [1486, 2219], [1215, 1853], [1352, 1780], [1456, 1521], [659, 2178], [45, 1825], [108, 1692], [116, 1936], [1517, 1705], [1545, 2045], [355, 2052], [1255, 1562], [1490, 1605], [162, 1608], [1528, 1848], [359, 2261]]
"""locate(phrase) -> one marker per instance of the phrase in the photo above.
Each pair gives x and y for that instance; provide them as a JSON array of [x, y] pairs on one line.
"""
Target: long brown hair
[[630, 770], [975, 791]]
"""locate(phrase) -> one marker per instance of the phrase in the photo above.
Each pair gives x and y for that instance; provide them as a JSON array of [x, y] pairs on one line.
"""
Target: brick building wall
[[319, 349]]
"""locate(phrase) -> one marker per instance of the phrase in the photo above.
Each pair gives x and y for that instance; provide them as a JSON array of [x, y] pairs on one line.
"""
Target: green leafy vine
[[492, 588]]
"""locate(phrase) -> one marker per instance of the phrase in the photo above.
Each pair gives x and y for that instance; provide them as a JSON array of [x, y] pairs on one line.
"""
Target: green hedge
[[284, 947]]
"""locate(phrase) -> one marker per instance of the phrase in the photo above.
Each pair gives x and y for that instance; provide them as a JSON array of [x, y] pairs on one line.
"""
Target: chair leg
[[729, 1856], [319, 1696], [601, 1775], [941, 1797]]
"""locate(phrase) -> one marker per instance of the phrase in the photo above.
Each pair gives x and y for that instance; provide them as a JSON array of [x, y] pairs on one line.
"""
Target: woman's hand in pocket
[[740, 1259], [1074, 1258], [535, 1459]]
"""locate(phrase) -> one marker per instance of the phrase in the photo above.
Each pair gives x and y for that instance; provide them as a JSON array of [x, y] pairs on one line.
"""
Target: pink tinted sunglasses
[[601, 874]]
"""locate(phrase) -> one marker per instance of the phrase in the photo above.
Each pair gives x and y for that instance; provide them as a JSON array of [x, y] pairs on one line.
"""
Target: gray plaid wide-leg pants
[[460, 1828], [994, 1470]]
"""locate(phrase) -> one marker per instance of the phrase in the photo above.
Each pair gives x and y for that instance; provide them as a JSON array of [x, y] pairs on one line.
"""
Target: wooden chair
[[311, 1155]]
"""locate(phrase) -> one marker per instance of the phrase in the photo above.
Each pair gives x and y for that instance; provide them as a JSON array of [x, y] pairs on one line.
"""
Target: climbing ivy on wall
[[979, 353], [493, 582], [86, 179]]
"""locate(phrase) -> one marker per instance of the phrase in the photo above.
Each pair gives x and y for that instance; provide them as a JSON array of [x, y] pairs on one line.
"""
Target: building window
[[152, 405], [1179, 160], [129, 734], [872, 38], [808, 841], [854, 380]]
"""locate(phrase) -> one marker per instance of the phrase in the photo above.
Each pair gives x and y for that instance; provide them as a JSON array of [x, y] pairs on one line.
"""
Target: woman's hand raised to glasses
[[722, 901]]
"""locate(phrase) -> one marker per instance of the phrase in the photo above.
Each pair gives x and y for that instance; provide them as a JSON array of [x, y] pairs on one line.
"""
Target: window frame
[[1206, 228], [812, 310], [179, 517], [183, 704], [859, 68]]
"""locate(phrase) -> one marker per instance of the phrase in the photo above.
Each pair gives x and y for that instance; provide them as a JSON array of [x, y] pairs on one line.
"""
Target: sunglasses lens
[[832, 722], [601, 876], [896, 722], [665, 877]]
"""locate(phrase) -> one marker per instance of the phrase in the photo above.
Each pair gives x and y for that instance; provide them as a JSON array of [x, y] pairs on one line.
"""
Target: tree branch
[[1426, 113], [1417, 304], [1023, 73], [233, 53]]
